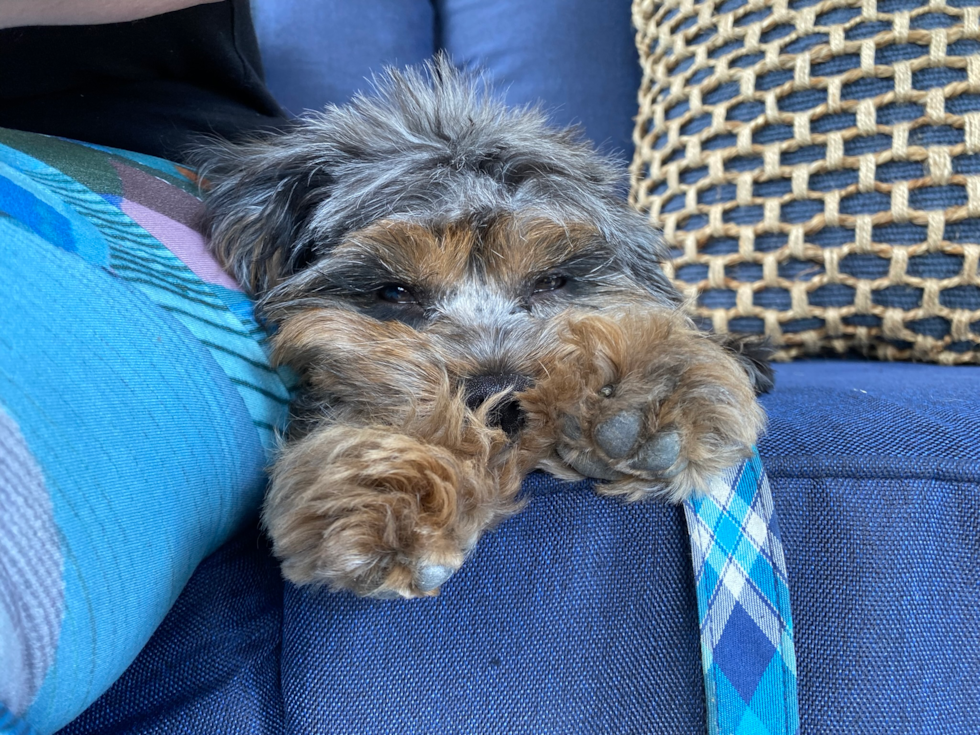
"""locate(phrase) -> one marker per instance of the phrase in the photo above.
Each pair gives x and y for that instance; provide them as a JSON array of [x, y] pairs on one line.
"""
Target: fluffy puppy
[[466, 297]]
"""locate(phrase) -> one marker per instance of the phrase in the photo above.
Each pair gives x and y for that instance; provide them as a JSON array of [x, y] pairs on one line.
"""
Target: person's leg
[[322, 52], [577, 57]]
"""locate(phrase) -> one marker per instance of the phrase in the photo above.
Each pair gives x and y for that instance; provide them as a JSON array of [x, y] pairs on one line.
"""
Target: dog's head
[[433, 206]]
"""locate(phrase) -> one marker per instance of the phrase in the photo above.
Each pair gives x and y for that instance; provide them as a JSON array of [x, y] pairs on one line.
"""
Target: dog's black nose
[[507, 414]]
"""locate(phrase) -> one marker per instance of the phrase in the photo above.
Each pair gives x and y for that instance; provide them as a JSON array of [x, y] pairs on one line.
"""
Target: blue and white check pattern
[[743, 606]]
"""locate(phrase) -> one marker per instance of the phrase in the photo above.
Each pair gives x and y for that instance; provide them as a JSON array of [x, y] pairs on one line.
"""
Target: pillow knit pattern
[[815, 168]]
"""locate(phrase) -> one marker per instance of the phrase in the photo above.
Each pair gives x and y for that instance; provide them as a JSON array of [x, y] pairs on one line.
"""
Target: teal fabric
[[10, 724], [143, 394]]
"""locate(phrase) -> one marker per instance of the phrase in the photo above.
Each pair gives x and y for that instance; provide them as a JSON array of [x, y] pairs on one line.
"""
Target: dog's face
[[421, 252], [482, 293], [435, 208]]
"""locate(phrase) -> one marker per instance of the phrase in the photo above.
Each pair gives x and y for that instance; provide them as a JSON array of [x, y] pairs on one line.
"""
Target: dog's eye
[[395, 293], [549, 283]]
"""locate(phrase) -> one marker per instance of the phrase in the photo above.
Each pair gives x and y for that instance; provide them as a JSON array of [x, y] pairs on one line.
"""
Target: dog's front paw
[[650, 405], [376, 512]]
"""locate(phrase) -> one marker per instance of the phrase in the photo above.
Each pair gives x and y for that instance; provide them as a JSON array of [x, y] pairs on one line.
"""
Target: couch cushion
[[875, 470], [855, 418], [579, 614], [576, 59]]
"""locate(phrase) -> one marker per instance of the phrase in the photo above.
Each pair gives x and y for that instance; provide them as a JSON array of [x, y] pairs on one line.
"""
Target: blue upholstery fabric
[[576, 57], [875, 470], [548, 607], [579, 614], [319, 52], [213, 665]]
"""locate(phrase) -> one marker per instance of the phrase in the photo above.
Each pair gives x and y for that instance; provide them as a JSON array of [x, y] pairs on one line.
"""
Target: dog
[[466, 297]]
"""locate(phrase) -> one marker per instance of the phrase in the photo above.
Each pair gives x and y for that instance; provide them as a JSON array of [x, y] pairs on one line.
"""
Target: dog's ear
[[259, 198]]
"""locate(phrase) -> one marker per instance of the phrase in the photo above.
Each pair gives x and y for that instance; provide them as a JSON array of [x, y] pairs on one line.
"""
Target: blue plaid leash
[[743, 607]]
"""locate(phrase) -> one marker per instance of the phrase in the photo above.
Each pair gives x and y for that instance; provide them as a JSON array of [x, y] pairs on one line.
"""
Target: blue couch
[[579, 615]]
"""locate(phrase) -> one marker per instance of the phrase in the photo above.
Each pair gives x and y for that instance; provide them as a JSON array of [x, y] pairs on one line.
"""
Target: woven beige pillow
[[815, 167]]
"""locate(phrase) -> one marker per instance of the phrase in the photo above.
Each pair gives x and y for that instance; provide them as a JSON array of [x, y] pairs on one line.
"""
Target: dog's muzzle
[[507, 414]]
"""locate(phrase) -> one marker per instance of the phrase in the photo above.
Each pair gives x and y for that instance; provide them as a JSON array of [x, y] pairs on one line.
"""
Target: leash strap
[[743, 607]]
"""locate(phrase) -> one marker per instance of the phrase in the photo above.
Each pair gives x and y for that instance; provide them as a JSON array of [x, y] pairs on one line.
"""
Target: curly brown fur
[[465, 297], [660, 383], [386, 512]]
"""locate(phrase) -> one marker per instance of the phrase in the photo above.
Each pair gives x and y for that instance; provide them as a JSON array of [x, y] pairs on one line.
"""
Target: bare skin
[[15, 13]]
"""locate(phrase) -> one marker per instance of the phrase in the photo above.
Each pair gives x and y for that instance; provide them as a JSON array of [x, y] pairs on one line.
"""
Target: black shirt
[[153, 85]]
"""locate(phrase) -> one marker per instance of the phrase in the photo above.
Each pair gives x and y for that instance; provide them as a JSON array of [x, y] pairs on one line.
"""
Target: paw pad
[[432, 576], [622, 437], [658, 453], [617, 436]]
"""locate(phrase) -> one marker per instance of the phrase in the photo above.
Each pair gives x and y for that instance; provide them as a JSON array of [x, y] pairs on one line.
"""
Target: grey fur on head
[[433, 146]]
